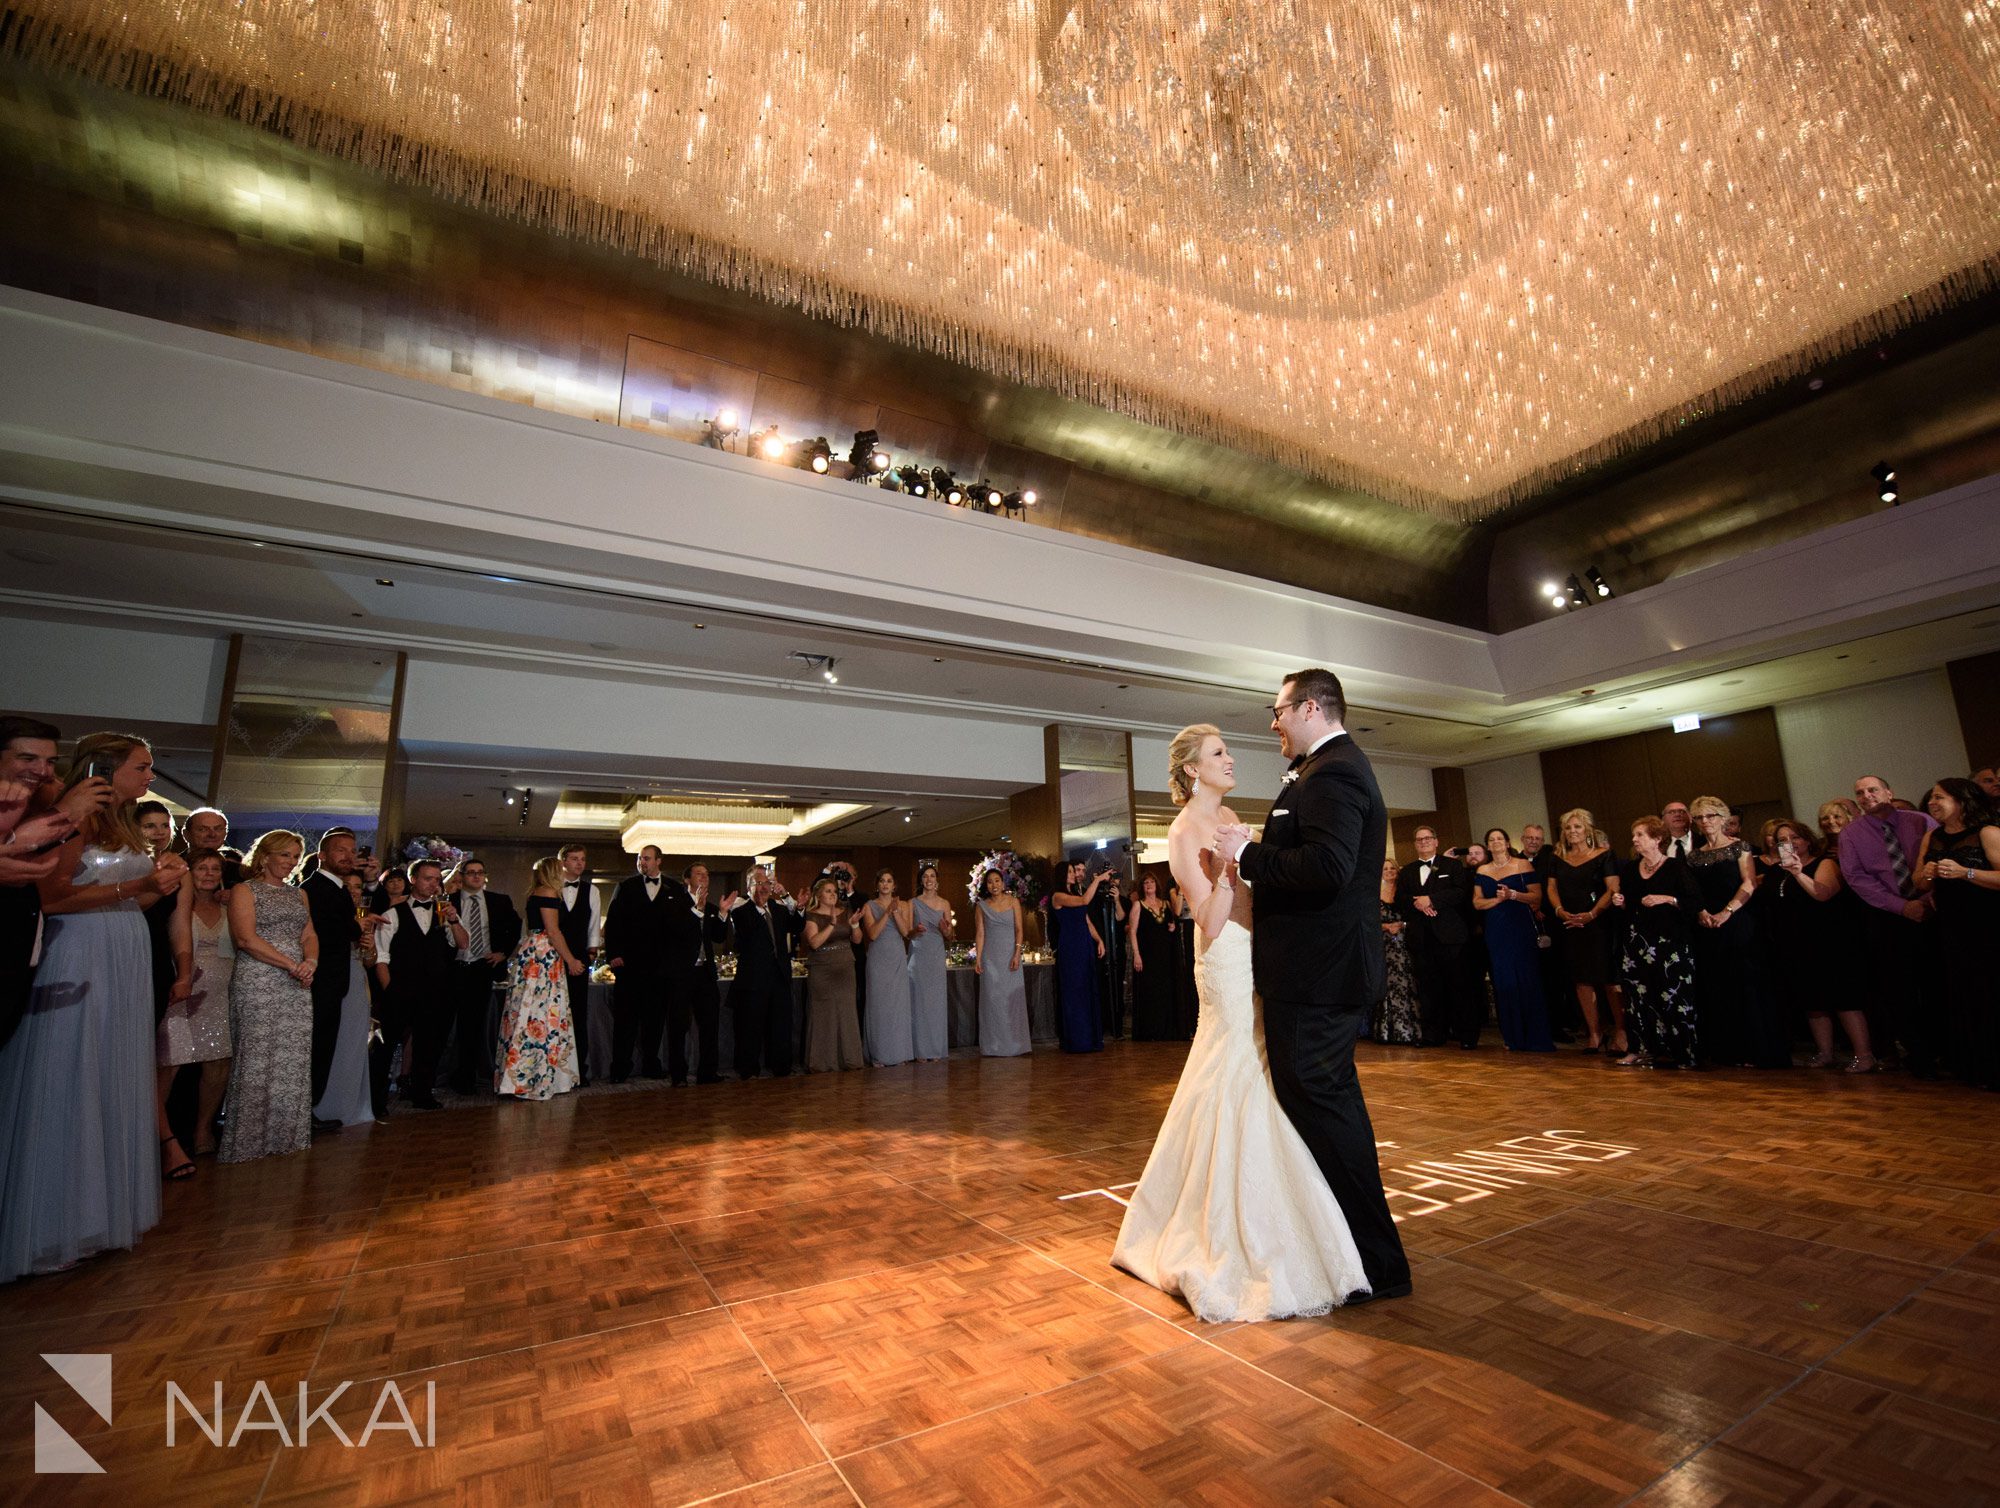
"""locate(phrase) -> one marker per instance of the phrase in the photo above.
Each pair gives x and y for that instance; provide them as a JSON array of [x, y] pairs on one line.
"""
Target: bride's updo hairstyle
[[1182, 752]]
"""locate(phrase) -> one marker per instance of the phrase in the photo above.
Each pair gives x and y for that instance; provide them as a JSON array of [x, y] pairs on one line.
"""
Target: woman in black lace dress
[[1959, 868], [1739, 1026]]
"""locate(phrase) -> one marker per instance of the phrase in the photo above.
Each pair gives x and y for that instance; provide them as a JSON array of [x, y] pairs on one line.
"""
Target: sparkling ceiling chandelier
[[1443, 252]]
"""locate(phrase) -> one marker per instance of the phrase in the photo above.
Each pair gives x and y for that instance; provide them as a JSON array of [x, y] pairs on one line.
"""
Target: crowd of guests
[[144, 966], [1703, 946]]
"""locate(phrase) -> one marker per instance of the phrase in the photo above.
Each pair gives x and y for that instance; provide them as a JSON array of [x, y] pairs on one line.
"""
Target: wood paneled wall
[[1975, 688], [1452, 819], [1621, 779]]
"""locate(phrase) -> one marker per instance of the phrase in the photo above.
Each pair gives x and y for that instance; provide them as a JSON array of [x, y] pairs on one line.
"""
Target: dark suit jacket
[[1318, 883], [1450, 890], [20, 910], [332, 912], [646, 933], [503, 922], [764, 951]]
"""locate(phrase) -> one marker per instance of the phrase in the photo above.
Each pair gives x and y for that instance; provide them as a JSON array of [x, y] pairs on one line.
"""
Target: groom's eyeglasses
[[1286, 706]]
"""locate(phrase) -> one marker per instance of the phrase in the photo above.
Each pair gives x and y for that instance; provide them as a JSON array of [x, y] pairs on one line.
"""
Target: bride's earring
[[1196, 791]]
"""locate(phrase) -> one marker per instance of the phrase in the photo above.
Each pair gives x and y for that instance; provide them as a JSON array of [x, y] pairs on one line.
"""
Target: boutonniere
[[1288, 777]]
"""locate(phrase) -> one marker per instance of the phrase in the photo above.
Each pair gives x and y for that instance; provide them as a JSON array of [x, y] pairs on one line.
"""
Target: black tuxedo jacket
[[1317, 878], [1450, 890], [503, 922], [764, 950], [645, 932], [332, 912]]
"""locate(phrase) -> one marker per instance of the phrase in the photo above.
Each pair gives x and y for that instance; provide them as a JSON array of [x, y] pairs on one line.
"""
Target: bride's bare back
[[1191, 856]]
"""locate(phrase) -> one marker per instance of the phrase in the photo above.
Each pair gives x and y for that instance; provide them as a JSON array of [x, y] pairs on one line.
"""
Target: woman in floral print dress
[[1660, 896], [537, 1037]]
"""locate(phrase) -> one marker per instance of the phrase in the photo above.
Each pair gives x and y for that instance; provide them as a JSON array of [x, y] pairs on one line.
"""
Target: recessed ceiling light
[[937, 659], [701, 625], [383, 581]]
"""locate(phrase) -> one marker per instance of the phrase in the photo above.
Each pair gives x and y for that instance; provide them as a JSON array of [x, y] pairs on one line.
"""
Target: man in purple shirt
[[1878, 851]]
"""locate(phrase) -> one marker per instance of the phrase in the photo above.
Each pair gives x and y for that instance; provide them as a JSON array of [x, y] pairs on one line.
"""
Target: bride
[[1231, 1213]]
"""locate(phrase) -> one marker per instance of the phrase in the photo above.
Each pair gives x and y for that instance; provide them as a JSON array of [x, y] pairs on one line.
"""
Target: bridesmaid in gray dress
[[1003, 990], [79, 1155], [886, 1028], [270, 1006], [930, 918], [833, 1035]]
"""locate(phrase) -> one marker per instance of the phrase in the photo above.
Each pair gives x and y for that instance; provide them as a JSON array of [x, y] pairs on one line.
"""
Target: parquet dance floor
[[893, 1287]]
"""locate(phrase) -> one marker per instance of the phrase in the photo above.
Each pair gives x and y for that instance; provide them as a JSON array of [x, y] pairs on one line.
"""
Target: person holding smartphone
[[32, 832], [79, 1160]]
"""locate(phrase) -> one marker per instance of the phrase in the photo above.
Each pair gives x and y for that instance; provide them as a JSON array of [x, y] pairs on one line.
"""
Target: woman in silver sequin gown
[[270, 1006], [196, 1030]]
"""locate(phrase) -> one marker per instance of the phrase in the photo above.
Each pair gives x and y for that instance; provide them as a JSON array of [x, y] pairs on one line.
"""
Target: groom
[[1317, 952]]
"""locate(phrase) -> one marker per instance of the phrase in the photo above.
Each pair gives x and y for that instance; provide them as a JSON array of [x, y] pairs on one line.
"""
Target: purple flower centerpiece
[[435, 849], [1022, 874]]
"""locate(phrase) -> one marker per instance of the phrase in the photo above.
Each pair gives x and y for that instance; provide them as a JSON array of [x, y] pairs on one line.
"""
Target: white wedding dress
[[1232, 1213]]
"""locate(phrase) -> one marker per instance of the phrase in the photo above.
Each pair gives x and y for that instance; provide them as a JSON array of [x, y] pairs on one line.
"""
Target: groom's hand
[[1231, 840]]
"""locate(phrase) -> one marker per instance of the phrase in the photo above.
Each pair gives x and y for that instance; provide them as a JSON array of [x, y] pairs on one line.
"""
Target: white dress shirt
[[569, 890]]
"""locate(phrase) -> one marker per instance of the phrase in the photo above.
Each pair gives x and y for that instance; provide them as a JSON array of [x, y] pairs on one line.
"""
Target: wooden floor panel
[[895, 1288]]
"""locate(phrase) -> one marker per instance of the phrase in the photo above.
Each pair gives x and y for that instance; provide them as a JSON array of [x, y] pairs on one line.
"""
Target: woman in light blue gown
[[1003, 991], [886, 1029], [930, 925], [79, 1159]]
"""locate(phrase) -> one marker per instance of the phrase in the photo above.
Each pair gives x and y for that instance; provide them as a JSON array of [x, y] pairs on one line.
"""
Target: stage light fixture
[[860, 455], [1885, 481], [818, 455], [527, 801], [1576, 597], [718, 432], [1597, 582], [768, 445], [916, 481], [1029, 496]]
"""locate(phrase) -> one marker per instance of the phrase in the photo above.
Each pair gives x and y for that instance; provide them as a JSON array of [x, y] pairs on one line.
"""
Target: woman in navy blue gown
[[1080, 1014], [1510, 897]]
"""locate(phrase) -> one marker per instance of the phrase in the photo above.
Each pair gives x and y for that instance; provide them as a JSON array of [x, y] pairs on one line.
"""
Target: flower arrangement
[[435, 849], [1023, 874]]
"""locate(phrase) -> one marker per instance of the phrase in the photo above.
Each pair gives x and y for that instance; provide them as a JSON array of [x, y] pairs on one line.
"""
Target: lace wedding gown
[[1232, 1213]]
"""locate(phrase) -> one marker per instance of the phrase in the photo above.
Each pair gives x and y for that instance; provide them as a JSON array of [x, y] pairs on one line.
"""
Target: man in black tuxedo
[[760, 1001], [1434, 895], [492, 928], [1316, 953], [639, 934], [580, 919], [334, 924], [694, 995], [420, 937]]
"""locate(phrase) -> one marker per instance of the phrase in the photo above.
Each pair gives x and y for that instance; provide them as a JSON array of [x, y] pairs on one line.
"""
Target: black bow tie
[[1297, 762], [421, 905]]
